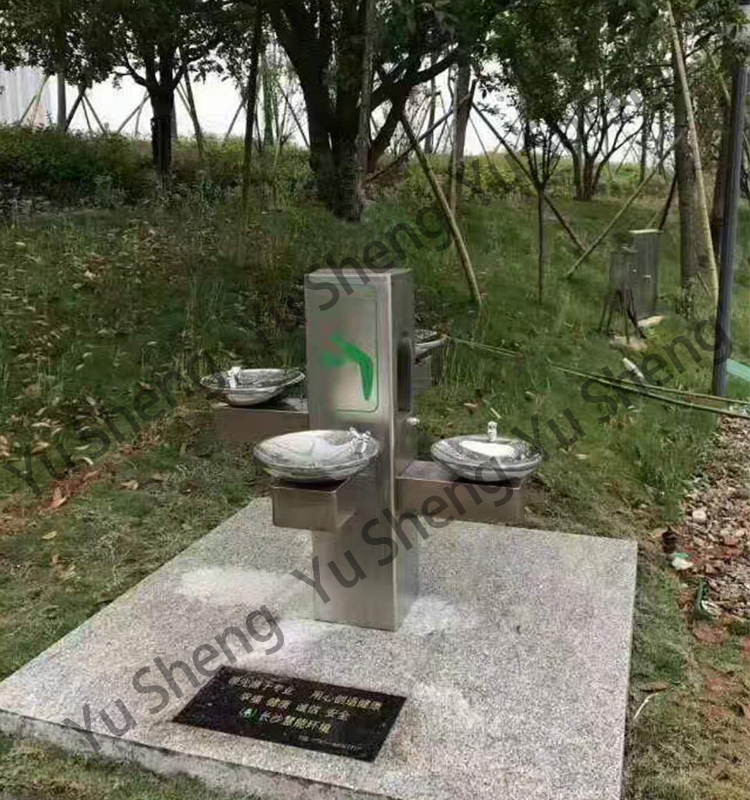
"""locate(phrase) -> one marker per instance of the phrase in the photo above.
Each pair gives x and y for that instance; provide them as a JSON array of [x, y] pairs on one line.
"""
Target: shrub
[[66, 167]]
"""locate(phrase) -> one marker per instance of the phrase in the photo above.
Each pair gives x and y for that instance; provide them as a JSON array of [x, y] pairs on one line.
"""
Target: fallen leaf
[[86, 460], [130, 485], [39, 447], [57, 498], [745, 710], [50, 535]]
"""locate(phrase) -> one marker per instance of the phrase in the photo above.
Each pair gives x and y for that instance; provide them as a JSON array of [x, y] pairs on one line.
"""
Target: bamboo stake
[[444, 118], [705, 220], [192, 109], [517, 161], [463, 253], [617, 383], [138, 116], [93, 111], [35, 102], [621, 212], [234, 120], [28, 107], [135, 111], [399, 158], [663, 215], [294, 115], [73, 110], [86, 114]]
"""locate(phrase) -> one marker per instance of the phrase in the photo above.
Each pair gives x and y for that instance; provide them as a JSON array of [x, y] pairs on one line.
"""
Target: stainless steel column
[[359, 366]]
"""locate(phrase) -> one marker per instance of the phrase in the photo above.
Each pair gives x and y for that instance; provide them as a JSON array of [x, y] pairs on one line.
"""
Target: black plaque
[[317, 716]]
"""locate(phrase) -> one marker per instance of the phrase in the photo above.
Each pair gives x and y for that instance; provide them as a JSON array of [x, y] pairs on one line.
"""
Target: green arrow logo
[[352, 354]]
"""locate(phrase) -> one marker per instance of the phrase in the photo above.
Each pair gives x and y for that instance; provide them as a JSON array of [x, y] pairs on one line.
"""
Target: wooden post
[[618, 216], [438, 192], [703, 205], [517, 161]]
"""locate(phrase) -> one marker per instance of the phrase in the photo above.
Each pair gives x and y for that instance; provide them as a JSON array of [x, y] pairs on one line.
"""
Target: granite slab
[[514, 661]]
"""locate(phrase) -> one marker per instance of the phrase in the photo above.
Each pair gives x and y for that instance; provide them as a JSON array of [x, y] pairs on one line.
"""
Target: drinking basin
[[317, 456], [252, 387], [488, 458], [426, 341]]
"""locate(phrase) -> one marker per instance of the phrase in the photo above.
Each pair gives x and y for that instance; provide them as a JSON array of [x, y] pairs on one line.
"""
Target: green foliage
[[67, 168], [496, 182]]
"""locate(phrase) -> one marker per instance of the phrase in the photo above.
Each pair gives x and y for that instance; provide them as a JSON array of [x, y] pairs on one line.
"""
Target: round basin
[[251, 387], [317, 456], [427, 341], [487, 458]]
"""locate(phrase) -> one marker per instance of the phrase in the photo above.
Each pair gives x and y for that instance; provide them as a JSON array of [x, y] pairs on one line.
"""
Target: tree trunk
[[589, 179], [645, 134], [579, 157], [365, 102], [661, 142], [717, 208], [162, 105], [268, 102], [62, 100], [250, 103], [461, 120], [685, 171], [542, 248], [429, 140]]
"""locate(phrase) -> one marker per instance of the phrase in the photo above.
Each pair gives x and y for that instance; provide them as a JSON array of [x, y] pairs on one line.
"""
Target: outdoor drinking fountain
[[352, 477], [256, 403]]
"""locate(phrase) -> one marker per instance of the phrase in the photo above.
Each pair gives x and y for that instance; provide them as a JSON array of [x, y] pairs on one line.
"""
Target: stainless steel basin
[[317, 456], [252, 387], [488, 458], [426, 341]]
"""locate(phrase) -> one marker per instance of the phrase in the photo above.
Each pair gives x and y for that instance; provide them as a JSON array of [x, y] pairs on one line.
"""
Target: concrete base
[[514, 662]]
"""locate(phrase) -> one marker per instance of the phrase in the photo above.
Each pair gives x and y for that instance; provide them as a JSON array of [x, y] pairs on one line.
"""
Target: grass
[[100, 306]]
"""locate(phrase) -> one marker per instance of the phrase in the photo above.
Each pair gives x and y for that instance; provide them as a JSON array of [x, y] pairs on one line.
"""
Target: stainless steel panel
[[647, 244], [245, 425], [360, 359], [429, 489], [327, 507]]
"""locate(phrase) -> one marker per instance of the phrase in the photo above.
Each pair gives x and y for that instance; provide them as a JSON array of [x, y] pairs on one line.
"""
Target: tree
[[577, 65], [542, 149], [55, 36], [155, 44], [325, 41]]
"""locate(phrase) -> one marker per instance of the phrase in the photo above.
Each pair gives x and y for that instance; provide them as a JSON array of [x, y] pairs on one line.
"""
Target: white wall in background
[[17, 88]]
